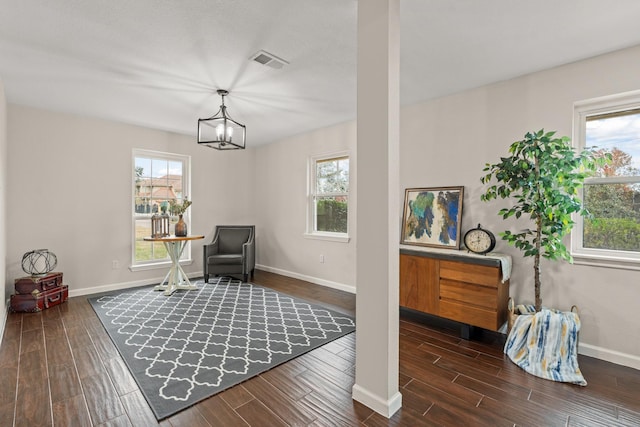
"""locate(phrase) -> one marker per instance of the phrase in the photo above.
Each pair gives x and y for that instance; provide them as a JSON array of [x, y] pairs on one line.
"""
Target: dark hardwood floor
[[59, 367]]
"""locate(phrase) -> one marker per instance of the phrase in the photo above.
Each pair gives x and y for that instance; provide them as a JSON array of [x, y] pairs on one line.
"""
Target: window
[[158, 179], [329, 197], [612, 196]]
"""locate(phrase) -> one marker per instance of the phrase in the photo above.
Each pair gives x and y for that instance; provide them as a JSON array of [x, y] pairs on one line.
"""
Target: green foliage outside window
[[614, 220], [331, 195], [331, 215], [612, 233]]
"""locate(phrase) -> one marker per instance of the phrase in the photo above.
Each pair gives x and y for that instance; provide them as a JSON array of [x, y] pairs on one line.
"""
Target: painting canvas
[[432, 216]]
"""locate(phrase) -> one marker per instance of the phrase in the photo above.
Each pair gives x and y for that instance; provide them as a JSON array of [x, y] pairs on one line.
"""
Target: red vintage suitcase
[[38, 301], [26, 285]]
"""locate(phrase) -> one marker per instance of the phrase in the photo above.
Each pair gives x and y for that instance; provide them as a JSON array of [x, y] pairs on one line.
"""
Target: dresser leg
[[467, 331]]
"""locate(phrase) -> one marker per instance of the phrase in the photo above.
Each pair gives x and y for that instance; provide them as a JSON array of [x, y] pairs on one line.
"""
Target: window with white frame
[[158, 180], [612, 196], [329, 196]]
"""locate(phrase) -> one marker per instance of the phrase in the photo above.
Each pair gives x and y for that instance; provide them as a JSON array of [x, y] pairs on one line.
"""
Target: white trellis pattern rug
[[188, 346]]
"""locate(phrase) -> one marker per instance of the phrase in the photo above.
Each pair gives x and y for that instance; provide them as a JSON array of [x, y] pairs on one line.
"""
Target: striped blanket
[[545, 344]]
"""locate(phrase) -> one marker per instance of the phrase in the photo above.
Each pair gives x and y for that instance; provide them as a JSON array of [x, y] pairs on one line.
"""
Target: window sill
[[341, 238], [606, 262], [158, 265]]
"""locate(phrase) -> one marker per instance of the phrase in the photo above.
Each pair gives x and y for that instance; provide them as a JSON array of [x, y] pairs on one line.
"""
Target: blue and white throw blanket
[[545, 344]]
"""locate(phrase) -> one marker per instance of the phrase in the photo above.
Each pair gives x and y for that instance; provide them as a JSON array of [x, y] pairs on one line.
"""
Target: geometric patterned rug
[[186, 347]]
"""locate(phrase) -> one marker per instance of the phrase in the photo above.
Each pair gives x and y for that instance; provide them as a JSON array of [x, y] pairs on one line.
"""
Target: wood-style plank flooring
[[59, 368]]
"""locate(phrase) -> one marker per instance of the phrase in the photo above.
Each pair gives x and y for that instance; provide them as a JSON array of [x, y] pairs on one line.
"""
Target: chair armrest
[[249, 254], [210, 249], [207, 251]]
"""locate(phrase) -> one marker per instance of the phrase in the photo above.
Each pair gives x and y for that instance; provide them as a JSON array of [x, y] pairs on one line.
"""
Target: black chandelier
[[220, 131]]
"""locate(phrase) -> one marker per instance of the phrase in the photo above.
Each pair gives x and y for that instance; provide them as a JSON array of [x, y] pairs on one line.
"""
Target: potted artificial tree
[[541, 176]]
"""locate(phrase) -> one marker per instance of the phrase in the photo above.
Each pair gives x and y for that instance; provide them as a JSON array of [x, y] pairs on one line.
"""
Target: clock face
[[479, 240]]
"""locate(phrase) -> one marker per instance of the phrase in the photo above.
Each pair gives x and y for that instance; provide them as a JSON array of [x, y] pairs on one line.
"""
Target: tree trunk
[[536, 265], [536, 262]]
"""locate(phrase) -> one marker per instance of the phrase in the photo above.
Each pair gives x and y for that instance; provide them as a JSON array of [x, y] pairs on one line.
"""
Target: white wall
[[281, 200], [448, 141], [3, 206], [69, 188]]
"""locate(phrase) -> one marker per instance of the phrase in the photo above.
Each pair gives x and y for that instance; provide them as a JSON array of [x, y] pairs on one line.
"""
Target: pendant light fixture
[[220, 131]]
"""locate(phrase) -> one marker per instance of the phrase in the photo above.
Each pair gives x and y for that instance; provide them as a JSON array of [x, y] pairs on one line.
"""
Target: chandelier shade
[[220, 131]]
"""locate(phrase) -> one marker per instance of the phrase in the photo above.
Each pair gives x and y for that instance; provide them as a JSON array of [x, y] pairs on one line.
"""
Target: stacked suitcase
[[35, 293]]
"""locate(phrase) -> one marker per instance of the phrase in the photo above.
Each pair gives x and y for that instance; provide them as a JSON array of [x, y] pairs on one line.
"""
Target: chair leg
[[206, 278], [245, 278]]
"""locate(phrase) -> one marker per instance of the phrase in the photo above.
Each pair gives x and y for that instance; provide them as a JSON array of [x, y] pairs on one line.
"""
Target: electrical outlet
[[115, 264], [321, 259]]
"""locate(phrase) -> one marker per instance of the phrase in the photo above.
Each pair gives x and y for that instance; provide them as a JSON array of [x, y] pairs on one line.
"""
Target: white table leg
[[176, 278]]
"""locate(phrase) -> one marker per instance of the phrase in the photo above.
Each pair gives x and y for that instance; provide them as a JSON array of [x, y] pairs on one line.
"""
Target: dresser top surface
[[456, 255]]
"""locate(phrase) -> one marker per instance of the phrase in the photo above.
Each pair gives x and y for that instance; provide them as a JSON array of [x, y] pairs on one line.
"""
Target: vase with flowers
[[179, 209]]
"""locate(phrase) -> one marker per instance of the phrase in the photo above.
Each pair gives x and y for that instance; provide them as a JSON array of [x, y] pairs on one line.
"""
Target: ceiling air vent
[[269, 59]]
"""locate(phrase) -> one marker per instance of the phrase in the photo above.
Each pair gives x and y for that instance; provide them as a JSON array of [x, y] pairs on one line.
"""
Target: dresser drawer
[[471, 315], [470, 273], [469, 294]]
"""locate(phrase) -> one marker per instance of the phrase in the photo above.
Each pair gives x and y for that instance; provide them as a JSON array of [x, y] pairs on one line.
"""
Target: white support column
[[378, 200]]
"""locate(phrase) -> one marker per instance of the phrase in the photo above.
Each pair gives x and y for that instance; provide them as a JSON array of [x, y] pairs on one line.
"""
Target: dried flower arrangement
[[179, 208]]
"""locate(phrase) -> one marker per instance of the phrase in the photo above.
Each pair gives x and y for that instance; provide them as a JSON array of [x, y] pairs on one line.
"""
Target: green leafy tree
[[541, 175], [614, 222], [332, 186], [332, 215], [621, 234], [610, 201]]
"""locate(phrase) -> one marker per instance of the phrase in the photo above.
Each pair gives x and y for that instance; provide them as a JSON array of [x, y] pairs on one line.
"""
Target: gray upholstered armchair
[[232, 251]]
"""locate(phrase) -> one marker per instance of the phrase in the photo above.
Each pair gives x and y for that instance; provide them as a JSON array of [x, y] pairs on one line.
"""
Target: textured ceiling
[[158, 63]]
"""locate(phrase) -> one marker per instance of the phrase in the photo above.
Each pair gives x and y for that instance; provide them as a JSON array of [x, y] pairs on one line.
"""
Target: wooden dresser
[[456, 286]]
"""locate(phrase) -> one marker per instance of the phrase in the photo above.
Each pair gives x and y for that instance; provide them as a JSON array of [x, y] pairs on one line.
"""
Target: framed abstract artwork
[[432, 217]]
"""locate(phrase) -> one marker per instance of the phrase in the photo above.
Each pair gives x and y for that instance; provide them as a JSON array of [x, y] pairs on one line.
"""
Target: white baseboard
[[137, 283], [384, 407], [317, 281], [121, 285], [612, 356]]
